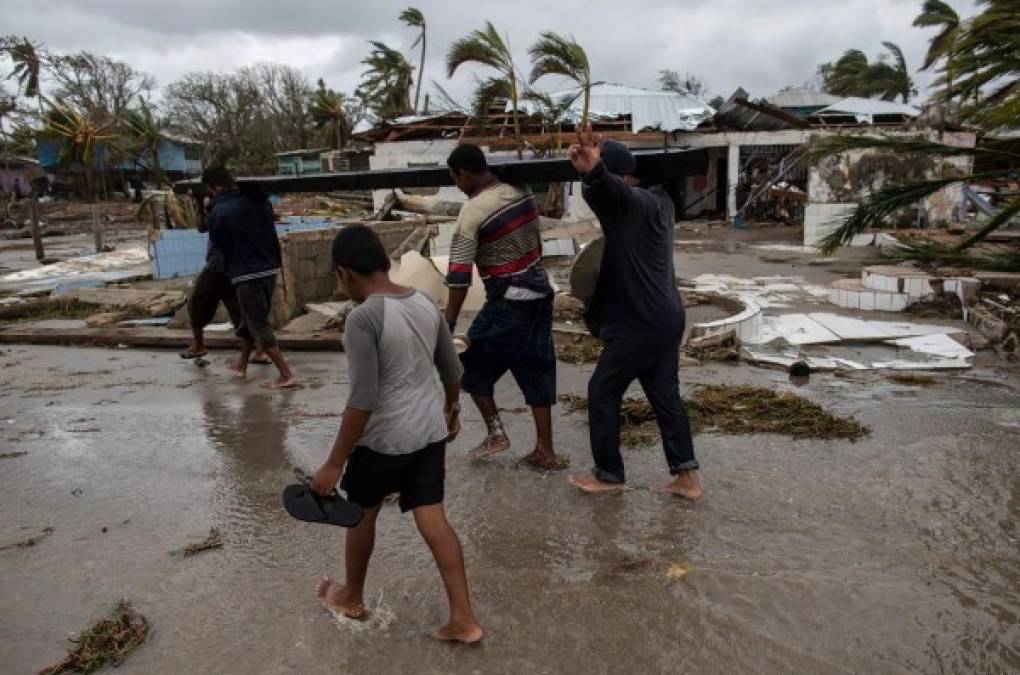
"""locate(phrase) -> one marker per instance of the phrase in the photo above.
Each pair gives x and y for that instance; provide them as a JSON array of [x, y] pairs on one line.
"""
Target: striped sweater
[[498, 230]]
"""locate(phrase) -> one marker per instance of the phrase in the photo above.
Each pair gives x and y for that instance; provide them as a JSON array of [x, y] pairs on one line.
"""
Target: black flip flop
[[301, 503], [188, 354]]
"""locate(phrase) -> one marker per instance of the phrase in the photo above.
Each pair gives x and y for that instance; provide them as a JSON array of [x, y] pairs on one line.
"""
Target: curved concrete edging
[[746, 323]]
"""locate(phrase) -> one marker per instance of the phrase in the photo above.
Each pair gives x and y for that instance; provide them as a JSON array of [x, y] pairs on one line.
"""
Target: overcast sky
[[761, 45]]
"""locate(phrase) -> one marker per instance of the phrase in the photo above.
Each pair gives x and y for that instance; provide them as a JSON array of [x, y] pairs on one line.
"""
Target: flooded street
[[898, 553]]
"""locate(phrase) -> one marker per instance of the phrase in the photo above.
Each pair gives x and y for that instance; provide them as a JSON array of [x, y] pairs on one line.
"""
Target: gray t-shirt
[[395, 345]]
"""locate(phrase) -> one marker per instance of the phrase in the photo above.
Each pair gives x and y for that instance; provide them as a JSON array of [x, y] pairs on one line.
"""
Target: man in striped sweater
[[498, 230]]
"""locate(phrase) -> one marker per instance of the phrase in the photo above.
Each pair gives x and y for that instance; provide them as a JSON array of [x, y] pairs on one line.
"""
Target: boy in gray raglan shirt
[[396, 424]]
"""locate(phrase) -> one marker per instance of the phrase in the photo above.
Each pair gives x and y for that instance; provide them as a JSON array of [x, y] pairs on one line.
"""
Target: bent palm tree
[[853, 75], [487, 48], [557, 55], [27, 59], [80, 135], [938, 14], [329, 115], [415, 19], [387, 83]]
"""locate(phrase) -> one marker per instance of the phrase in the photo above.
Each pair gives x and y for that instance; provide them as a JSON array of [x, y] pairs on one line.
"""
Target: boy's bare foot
[[259, 358], [542, 460], [492, 445], [685, 485], [590, 483], [238, 370], [468, 634], [283, 383], [334, 597], [193, 352]]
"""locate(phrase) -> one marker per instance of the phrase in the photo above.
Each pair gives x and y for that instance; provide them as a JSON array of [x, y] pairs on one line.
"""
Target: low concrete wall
[[307, 273]]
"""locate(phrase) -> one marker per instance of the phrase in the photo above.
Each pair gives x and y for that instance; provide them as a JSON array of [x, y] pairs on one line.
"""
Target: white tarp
[[865, 109]]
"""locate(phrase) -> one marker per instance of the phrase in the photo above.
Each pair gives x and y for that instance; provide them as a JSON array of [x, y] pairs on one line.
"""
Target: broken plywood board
[[942, 346], [796, 329]]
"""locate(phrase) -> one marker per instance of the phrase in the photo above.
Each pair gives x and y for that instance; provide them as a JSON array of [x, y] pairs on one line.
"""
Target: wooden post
[[97, 228], [33, 209]]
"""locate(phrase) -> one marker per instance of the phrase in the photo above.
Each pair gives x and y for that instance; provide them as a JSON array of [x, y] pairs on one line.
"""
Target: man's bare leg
[[496, 440], [240, 367], [442, 541], [287, 378], [686, 485], [349, 599], [543, 456]]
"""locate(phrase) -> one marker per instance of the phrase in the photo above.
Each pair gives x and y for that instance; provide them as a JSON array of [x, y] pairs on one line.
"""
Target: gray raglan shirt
[[395, 345]]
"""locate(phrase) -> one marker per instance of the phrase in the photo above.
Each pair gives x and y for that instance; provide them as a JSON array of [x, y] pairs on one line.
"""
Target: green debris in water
[[107, 642]]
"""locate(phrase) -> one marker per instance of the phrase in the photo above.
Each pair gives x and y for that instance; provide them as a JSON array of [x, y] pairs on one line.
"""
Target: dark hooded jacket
[[241, 228]]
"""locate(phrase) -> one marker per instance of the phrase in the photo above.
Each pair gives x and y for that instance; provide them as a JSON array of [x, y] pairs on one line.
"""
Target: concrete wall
[[306, 274], [307, 271], [837, 184]]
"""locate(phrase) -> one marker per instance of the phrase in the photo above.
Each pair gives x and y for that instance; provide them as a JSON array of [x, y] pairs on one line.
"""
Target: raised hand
[[585, 154]]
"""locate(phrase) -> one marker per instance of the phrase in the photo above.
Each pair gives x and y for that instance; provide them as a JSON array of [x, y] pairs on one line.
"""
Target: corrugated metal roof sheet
[[865, 109], [802, 98], [664, 110]]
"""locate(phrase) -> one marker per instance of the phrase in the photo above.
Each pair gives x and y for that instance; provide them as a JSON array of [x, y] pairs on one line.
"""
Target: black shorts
[[255, 298], [536, 379], [210, 289], [371, 476]]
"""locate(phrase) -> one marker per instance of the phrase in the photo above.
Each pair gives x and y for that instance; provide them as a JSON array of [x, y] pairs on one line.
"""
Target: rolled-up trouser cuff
[[605, 476], [685, 466]]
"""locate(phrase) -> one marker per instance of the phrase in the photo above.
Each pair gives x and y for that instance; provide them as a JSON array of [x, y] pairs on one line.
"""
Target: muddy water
[[895, 554]]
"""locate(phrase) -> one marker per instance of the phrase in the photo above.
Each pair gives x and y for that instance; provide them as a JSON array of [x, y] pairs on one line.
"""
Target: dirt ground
[[896, 553]]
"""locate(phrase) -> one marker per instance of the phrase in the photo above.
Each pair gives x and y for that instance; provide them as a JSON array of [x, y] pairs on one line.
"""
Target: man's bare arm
[[454, 303]]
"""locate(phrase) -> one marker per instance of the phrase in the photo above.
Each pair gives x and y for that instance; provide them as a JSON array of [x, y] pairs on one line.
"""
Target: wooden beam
[[663, 164], [155, 338]]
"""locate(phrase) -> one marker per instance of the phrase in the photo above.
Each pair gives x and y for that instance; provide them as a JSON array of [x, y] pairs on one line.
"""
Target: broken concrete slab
[[131, 262], [149, 302]]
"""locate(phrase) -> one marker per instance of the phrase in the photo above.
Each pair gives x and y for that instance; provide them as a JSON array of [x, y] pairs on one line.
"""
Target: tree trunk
[[97, 228], [421, 72], [587, 104], [33, 209]]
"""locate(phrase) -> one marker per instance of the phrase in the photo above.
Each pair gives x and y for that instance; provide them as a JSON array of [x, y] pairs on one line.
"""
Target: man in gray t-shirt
[[396, 424]]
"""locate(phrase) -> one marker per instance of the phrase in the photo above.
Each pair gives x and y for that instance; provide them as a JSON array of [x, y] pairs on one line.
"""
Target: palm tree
[[892, 80], [853, 75], [387, 83], [938, 14], [415, 19], [329, 115], [80, 136], [147, 131], [557, 55], [487, 48], [27, 59], [986, 65]]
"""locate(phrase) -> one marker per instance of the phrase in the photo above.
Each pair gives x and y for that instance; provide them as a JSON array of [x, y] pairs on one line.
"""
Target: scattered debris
[[577, 348], [567, 308], [30, 542], [677, 571], [913, 379], [715, 347], [214, 540], [42, 310], [944, 306], [734, 410], [108, 641], [12, 455]]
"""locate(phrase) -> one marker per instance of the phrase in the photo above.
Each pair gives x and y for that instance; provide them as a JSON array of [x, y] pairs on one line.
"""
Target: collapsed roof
[[648, 110]]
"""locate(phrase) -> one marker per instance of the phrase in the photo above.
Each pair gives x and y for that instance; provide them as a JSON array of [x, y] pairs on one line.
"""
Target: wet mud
[[897, 553]]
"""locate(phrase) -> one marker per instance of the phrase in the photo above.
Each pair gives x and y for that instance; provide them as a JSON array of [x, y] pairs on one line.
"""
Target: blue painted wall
[[172, 157]]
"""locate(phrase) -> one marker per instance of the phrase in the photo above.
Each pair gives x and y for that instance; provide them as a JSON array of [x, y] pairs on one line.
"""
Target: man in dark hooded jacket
[[241, 227], [637, 311]]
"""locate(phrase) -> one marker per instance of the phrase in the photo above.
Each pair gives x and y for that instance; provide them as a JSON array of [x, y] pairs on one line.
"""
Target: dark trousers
[[210, 289], [655, 364]]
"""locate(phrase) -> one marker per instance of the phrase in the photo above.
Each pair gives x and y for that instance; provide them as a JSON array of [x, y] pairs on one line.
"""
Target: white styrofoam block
[[868, 301]]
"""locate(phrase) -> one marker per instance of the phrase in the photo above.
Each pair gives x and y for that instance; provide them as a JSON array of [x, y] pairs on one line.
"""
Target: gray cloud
[[760, 45]]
